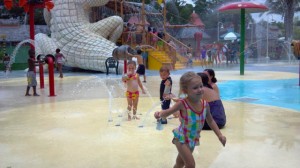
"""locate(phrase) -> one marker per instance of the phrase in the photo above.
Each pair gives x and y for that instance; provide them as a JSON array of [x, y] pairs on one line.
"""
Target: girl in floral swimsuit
[[133, 83], [193, 112]]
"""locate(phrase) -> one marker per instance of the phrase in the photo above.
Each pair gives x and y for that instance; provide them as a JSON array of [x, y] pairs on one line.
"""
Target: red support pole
[[125, 66], [51, 76], [41, 70]]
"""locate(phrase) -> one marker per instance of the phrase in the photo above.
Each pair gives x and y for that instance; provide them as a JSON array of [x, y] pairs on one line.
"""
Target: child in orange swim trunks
[[133, 83]]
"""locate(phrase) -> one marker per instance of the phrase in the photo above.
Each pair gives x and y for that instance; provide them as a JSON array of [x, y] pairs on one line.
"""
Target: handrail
[[177, 41], [172, 52], [180, 55]]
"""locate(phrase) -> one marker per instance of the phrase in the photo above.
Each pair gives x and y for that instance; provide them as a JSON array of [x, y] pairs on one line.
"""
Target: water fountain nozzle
[[49, 56]]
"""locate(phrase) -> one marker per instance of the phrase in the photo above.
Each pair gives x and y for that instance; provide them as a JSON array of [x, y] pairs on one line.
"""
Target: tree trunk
[[288, 18]]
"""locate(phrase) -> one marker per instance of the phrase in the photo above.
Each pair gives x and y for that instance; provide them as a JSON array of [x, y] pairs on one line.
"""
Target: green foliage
[[185, 13], [207, 10], [296, 33], [178, 12], [39, 17], [286, 8], [1, 55], [172, 13], [203, 8], [297, 21], [17, 11]]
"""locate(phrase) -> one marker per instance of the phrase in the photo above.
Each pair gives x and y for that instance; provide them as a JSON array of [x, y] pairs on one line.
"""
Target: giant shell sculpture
[[85, 45]]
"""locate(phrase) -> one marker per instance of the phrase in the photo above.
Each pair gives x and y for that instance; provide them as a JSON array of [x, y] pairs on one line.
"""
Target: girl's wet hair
[[186, 78], [205, 79], [131, 62], [57, 50], [211, 73]]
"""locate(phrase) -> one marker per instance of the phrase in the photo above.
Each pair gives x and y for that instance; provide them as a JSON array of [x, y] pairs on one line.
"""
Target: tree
[[185, 13], [297, 28], [208, 11], [17, 11], [286, 8], [205, 8], [178, 12], [172, 12]]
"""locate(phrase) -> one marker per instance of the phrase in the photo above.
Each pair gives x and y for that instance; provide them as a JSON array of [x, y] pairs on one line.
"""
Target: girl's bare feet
[[129, 116], [135, 117]]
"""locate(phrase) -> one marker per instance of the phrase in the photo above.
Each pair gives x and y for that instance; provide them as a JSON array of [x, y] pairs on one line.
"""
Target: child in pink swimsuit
[[59, 61], [193, 112]]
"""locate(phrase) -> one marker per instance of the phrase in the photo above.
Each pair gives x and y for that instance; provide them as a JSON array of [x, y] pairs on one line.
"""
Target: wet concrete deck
[[73, 130]]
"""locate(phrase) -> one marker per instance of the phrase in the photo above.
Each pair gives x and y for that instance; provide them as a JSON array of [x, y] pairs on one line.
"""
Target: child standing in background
[[6, 62], [190, 60], [59, 61], [165, 90], [193, 112], [203, 54], [31, 74], [133, 83]]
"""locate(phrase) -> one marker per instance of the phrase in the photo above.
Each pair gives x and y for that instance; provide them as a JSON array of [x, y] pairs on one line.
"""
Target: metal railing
[[174, 49]]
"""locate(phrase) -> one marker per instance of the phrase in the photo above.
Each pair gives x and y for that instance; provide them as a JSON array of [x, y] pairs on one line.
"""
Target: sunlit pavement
[[83, 125]]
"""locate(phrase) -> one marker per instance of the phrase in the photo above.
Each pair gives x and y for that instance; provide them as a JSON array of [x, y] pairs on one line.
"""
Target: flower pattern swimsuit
[[192, 123], [129, 94]]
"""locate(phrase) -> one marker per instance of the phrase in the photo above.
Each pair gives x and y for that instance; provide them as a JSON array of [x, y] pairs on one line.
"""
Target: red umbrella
[[251, 7], [242, 7]]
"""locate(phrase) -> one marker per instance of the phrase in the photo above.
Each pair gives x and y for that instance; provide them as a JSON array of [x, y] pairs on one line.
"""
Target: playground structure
[[72, 34], [87, 45], [169, 51]]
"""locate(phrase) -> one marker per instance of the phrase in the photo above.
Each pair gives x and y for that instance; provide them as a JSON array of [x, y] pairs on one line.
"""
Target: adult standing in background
[[154, 37], [214, 53], [225, 51], [139, 34]]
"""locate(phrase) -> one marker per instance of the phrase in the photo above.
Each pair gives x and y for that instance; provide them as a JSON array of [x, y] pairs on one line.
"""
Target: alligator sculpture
[[85, 45]]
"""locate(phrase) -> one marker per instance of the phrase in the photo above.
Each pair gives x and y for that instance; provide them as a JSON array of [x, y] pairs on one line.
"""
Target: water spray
[[119, 123], [109, 106], [142, 124]]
